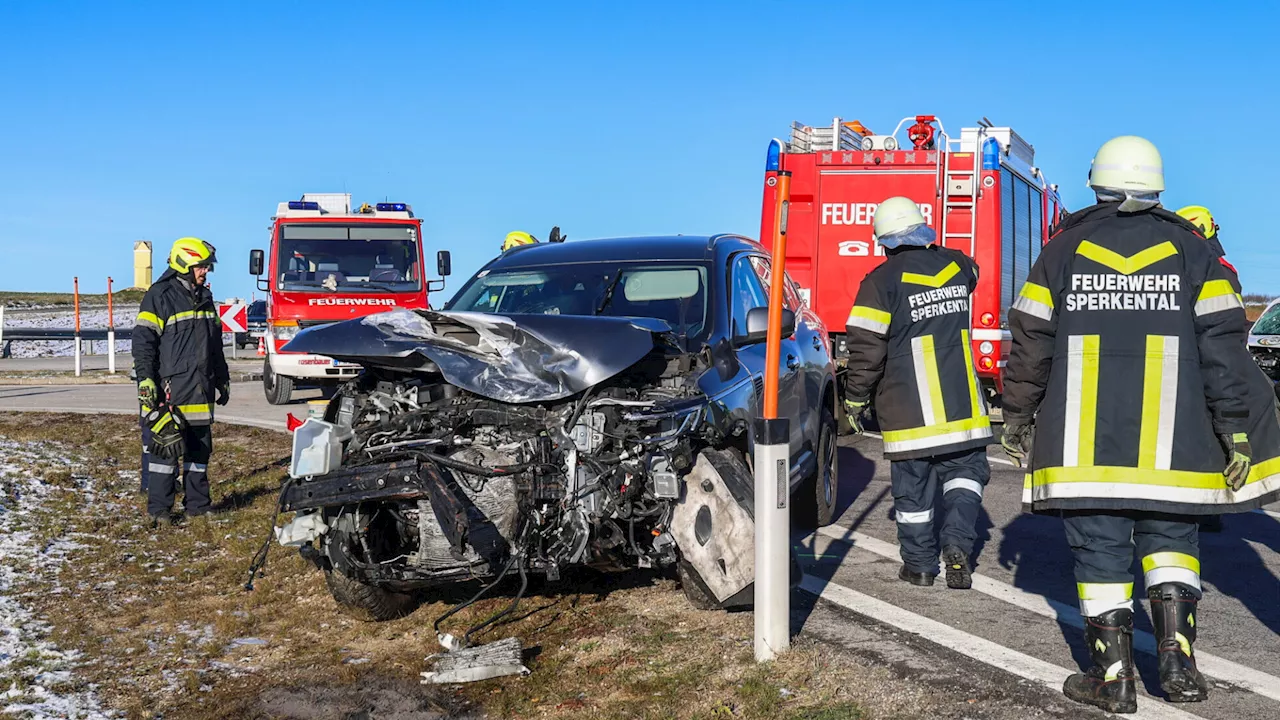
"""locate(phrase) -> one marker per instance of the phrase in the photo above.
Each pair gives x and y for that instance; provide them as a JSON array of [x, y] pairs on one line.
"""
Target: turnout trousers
[[162, 475], [1104, 544], [961, 476]]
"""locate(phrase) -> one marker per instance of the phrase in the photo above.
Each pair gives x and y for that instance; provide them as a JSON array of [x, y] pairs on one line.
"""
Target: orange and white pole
[[76, 295], [773, 454], [111, 331]]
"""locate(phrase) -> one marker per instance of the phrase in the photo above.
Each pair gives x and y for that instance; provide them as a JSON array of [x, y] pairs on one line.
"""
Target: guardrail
[[77, 335]]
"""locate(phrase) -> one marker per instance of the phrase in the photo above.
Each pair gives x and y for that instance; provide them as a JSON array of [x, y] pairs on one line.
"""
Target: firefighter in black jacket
[[1126, 338], [908, 338], [178, 360]]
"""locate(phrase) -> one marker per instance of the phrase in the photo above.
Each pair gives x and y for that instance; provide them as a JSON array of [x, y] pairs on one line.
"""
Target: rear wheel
[[815, 504], [368, 602], [278, 388]]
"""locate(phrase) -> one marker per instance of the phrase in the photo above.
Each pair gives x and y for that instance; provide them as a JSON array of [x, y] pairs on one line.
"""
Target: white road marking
[[982, 650], [1272, 513], [1222, 669]]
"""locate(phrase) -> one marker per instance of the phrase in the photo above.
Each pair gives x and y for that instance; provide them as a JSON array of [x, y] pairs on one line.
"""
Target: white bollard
[[77, 344], [111, 351], [773, 538]]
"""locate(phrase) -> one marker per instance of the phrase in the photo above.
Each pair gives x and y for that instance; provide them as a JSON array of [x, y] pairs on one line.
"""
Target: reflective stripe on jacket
[[177, 341], [908, 339], [1127, 342]]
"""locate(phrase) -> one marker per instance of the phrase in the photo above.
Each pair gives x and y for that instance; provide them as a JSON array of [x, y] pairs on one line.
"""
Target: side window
[[764, 270], [747, 293]]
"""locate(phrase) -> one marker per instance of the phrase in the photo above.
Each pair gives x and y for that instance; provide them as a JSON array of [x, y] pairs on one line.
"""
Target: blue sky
[[125, 121]]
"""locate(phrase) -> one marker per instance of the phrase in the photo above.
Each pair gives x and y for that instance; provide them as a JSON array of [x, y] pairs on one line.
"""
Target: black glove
[[224, 393], [1239, 457], [1016, 438], [166, 432]]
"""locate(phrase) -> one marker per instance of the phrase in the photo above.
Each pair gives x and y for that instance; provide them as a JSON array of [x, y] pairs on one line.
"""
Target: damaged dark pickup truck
[[580, 403]]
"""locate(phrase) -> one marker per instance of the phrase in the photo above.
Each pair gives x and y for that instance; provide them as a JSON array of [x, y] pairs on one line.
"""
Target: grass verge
[[165, 625], [51, 299]]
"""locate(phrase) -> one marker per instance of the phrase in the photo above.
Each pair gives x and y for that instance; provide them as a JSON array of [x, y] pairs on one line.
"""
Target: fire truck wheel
[[815, 499], [278, 388]]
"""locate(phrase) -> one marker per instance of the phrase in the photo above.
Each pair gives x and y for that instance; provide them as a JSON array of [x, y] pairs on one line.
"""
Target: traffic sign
[[235, 318]]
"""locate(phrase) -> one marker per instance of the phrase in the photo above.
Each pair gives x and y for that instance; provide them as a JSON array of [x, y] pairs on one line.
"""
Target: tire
[[695, 591], [815, 503], [368, 602], [278, 388]]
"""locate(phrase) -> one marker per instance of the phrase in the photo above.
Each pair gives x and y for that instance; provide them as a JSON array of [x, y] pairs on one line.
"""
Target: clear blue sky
[[124, 121]]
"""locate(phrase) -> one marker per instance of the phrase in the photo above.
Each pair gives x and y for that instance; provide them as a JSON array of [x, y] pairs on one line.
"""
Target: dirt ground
[[166, 628]]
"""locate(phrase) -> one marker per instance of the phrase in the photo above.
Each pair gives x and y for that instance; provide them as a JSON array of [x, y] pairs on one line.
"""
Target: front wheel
[[277, 388], [368, 602]]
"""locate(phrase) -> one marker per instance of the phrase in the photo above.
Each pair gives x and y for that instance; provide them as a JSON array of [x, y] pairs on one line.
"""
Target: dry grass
[[50, 299], [163, 619]]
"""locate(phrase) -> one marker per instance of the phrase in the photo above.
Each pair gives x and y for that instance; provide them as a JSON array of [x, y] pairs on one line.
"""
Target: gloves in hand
[[224, 393], [166, 433], [854, 410], [148, 393], [1016, 438], [1239, 458]]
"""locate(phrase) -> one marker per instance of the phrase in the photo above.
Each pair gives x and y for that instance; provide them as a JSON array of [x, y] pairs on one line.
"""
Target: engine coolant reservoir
[[317, 448]]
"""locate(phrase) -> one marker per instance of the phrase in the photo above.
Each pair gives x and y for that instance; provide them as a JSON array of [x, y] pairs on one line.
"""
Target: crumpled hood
[[509, 358]]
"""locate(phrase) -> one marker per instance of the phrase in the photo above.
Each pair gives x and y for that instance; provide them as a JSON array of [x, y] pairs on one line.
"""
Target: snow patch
[[36, 676]]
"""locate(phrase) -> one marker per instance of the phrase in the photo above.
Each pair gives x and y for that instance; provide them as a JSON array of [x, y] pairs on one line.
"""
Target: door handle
[[792, 362]]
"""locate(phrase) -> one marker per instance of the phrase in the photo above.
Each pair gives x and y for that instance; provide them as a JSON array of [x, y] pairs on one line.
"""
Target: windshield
[[674, 293], [1269, 323], [348, 258]]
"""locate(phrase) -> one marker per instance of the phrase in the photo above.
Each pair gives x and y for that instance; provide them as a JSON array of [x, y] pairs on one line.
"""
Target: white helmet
[[1128, 163], [895, 215]]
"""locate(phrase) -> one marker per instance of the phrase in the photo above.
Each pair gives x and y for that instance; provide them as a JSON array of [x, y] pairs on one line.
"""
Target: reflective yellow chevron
[[1122, 264], [934, 281]]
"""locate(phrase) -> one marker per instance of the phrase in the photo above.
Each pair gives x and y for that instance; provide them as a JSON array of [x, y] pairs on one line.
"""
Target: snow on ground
[[63, 318], [37, 678]]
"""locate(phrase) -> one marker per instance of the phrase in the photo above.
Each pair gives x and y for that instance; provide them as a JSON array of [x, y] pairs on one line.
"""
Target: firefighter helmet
[[1129, 163], [190, 252], [896, 215], [1200, 216], [517, 238]]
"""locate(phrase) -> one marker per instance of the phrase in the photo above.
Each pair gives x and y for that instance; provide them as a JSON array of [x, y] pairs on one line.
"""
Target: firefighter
[[518, 238], [178, 360], [1261, 397], [908, 334], [1126, 337]]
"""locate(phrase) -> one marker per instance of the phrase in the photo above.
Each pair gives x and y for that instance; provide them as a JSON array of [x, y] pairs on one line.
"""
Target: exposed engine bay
[[474, 447]]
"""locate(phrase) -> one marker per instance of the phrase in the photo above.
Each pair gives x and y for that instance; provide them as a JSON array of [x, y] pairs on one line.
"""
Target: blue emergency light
[[393, 207], [303, 205], [773, 161]]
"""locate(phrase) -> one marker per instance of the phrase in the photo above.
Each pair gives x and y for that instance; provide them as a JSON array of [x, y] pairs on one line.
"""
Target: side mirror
[[757, 329], [256, 258], [444, 263]]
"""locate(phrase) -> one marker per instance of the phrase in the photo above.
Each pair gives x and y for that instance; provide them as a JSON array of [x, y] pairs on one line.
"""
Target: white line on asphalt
[[1272, 513], [980, 649], [1247, 678]]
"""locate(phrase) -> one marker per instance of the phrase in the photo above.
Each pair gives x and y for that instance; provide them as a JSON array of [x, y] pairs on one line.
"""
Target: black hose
[[259, 561], [515, 602]]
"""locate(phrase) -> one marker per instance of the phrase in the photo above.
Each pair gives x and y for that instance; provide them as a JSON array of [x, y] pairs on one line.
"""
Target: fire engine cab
[[981, 192], [329, 263]]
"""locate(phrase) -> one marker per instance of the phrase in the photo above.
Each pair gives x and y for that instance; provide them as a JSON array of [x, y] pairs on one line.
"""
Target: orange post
[[76, 293], [111, 315], [773, 341]]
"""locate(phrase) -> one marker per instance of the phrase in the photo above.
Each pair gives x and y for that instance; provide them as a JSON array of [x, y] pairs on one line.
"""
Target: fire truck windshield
[[348, 258], [676, 294]]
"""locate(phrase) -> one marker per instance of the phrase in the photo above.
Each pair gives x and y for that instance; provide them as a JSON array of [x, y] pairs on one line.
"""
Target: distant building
[[142, 264]]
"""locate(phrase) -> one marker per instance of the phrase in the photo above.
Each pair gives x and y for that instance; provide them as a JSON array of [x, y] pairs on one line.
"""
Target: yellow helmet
[[519, 237], [189, 252], [1127, 162], [1200, 216]]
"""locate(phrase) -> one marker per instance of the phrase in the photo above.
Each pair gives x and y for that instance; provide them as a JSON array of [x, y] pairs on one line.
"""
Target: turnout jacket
[[177, 342], [1127, 348], [908, 339]]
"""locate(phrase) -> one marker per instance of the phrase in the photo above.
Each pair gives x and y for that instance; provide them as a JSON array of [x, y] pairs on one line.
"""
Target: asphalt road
[[1010, 640]]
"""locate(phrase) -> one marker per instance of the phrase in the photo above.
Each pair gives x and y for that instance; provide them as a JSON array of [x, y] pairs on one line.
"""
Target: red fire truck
[[330, 263], [981, 192]]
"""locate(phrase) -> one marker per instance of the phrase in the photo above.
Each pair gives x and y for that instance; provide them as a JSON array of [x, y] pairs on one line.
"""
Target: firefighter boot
[[959, 574], [1173, 612], [1111, 683]]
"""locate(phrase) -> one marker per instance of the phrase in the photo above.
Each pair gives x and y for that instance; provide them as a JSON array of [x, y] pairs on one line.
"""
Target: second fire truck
[[981, 192]]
